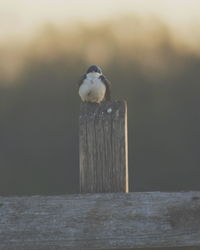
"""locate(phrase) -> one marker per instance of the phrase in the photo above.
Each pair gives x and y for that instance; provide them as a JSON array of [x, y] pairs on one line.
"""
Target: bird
[[94, 86]]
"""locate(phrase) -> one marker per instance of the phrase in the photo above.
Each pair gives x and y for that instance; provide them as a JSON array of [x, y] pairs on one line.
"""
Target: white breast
[[92, 89]]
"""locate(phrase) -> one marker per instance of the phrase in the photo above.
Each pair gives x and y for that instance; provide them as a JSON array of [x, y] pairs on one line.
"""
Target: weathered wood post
[[103, 147]]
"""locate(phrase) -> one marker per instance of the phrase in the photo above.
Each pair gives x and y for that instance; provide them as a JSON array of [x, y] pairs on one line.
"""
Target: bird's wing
[[108, 87], [81, 80]]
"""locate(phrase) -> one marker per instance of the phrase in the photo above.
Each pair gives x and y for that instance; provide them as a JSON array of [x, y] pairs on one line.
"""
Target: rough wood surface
[[103, 147], [100, 221]]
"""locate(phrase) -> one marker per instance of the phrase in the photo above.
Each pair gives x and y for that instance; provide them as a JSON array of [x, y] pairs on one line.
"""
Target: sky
[[19, 17]]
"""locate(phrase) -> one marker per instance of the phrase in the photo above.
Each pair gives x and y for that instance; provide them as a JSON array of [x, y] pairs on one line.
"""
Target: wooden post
[[103, 147]]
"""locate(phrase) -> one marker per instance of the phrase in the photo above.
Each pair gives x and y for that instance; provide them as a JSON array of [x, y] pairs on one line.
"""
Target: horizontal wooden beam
[[101, 221]]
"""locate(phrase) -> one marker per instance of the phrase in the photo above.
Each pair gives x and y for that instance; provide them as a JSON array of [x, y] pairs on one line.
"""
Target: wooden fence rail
[[101, 221]]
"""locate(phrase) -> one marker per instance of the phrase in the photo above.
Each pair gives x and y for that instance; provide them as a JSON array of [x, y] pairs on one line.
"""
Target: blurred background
[[150, 52]]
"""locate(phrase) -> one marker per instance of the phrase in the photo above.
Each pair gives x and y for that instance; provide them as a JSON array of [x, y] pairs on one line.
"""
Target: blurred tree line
[[148, 66]]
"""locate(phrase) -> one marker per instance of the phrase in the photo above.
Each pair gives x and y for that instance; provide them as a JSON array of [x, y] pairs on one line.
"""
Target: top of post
[[113, 109]]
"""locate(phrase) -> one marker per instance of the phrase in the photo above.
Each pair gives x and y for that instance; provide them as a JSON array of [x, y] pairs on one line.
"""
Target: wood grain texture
[[101, 221], [103, 147]]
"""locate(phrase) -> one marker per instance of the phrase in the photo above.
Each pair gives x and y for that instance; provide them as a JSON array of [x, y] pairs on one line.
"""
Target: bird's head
[[95, 69]]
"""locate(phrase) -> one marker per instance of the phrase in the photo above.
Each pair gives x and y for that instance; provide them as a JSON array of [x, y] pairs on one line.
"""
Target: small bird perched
[[93, 86]]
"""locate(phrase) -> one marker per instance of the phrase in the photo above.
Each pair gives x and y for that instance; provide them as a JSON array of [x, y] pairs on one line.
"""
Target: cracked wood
[[101, 221], [103, 147]]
